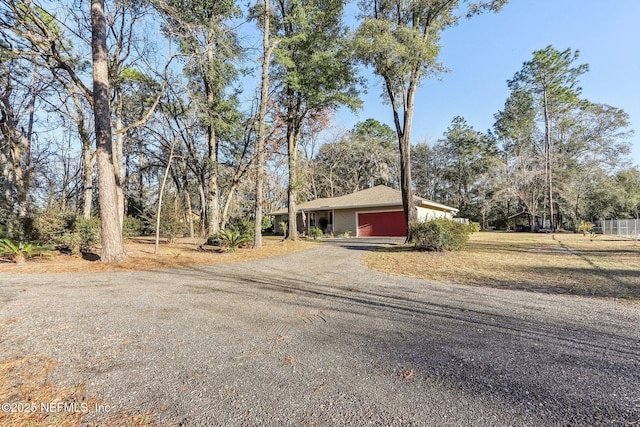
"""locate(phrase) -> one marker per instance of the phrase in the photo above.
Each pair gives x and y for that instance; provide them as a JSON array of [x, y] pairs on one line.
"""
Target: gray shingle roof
[[378, 196]]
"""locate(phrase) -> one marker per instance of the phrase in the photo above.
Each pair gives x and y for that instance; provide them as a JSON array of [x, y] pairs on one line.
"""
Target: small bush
[[439, 235], [232, 239], [267, 224], [82, 234], [67, 231], [20, 252], [315, 232], [171, 225], [474, 227], [89, 231], [244, 226], [132, 227], [50, 226], [585, 227]]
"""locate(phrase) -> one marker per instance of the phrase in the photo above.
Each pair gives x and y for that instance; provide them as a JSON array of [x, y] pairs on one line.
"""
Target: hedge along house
[[376, 211]]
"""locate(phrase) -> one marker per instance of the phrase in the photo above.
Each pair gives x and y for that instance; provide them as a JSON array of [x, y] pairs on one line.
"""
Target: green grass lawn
[[605, 266]]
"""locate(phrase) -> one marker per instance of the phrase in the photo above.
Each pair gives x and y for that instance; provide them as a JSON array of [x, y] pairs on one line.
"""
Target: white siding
[[426, 214]]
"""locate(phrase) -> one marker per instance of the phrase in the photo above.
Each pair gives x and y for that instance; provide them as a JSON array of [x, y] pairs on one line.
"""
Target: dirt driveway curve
[[314, 337]]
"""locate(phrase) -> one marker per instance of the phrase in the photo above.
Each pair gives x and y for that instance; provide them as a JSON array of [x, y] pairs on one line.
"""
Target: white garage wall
[[426, 214]]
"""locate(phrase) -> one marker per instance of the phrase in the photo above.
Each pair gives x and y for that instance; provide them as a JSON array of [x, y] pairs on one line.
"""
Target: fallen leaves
[[407, 375]]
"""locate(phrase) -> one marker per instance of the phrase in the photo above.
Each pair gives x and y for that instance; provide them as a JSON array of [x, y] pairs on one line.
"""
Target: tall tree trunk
[[162, 185], [403, 130], [410, 212], [548, 159], [203, 208], [14, 169], [267, 49], [23, 207], [112, 244], [88, 157], [227, 204], [187, 201], [213, 196], [142, 162], [292, 193], [5, 173], [213, 203], [117, 159]]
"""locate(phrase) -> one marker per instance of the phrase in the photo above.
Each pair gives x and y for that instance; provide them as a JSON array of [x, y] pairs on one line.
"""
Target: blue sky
[[486, 51]]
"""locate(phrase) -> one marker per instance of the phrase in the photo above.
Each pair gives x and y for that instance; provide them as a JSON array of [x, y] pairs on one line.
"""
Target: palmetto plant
[[233, 239], [22, 251], [315, 232]]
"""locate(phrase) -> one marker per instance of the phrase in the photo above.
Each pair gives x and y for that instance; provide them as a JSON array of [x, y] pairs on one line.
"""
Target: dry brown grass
[[605, 266], [141, 256]]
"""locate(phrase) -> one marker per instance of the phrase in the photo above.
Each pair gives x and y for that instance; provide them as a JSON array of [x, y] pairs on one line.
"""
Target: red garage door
[[381, 224]]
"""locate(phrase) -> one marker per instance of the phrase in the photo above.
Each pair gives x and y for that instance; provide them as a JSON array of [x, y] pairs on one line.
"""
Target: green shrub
[[315, 232], [439, 235], [474, 227], [22, 251], [83, 234], [132, 227], [67, 231], [70, 242], [50, 226], [243, 225], [232, 239], [171, 225], [267, 224], [89, 231]]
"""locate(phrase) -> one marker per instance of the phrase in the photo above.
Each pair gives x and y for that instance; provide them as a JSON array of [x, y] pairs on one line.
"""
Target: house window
[[330, 218]]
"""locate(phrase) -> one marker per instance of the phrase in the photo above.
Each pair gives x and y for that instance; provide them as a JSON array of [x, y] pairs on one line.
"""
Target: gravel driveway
[[315, 338]]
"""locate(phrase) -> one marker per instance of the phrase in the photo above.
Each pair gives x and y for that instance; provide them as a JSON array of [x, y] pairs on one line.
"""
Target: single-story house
[[376, 211]]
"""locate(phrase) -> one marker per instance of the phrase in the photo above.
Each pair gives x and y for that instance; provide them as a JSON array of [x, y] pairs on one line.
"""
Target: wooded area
[[101, 99]]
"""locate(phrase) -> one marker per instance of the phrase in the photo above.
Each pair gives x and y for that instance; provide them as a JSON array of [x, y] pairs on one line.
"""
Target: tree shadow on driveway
[[521, 355], [368, 243]]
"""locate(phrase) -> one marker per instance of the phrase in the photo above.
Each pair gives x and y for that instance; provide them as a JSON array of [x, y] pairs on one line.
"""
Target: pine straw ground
[[567, 263], [141, 256], [24, 380]]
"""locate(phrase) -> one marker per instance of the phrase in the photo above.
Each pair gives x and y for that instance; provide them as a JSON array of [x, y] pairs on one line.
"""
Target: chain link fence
[[618, 227]]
